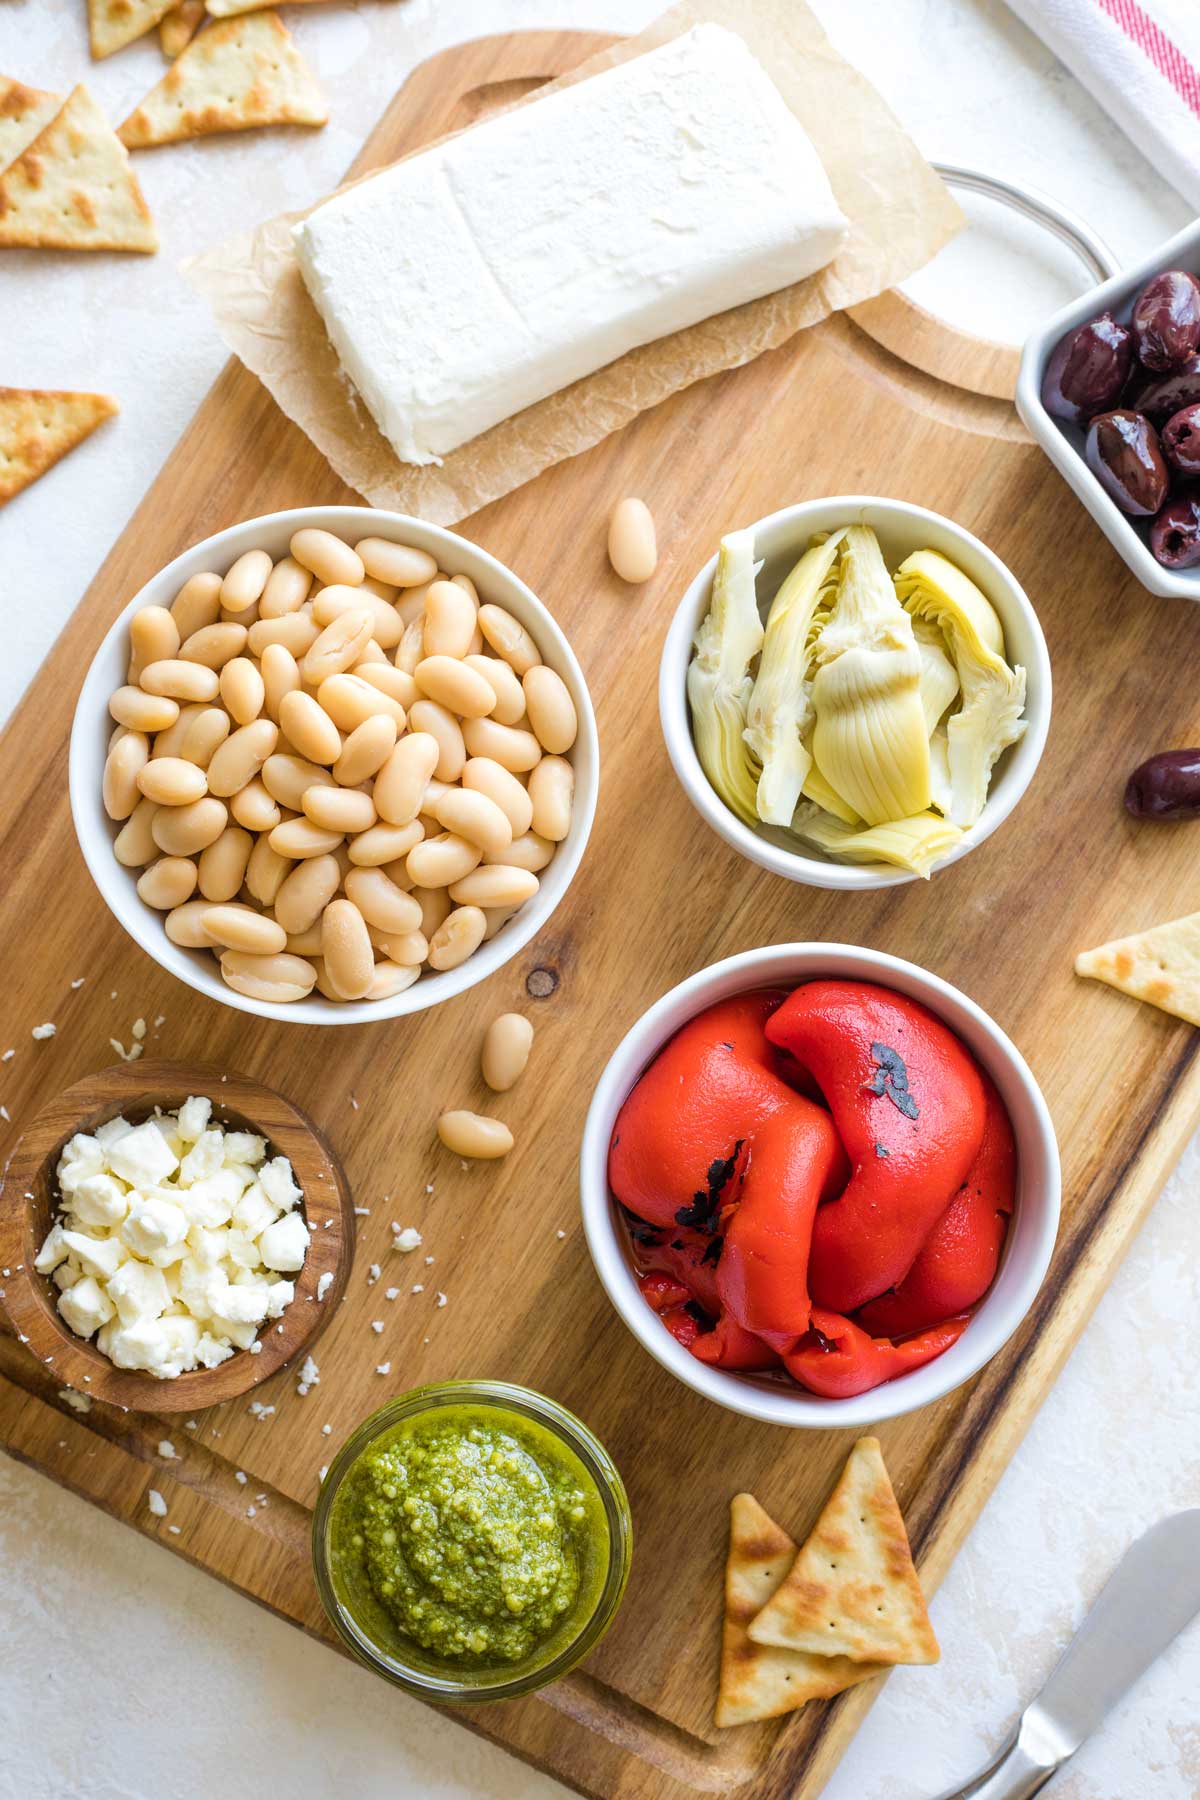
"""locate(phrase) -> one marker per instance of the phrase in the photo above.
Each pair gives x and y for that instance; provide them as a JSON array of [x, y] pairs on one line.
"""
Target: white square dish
[[1063, 443]]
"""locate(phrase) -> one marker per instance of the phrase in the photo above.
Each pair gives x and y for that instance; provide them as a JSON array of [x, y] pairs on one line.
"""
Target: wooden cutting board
[[657, 898]]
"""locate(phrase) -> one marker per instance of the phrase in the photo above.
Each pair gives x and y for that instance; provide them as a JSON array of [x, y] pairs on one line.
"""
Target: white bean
[[496, 884], [396, 564], [453, 685], [241, 757], [632, 540], [456, 938], [428, 716], [167, 883], [450, 616], [271, 978], [439, 861], [471, 1135], [327, 556], [305, 892], [508, 638], [245, 581], [514, 749], [506, 1046], [346, 949], [488, 777], [241, 928], [551, 709], [197, 604], [552, 791]]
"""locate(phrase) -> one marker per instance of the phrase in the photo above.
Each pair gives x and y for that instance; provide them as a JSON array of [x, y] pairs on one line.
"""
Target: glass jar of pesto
[[472, 1541]]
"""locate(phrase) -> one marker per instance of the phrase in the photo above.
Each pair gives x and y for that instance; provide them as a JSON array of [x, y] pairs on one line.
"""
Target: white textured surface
[[128, 1675]]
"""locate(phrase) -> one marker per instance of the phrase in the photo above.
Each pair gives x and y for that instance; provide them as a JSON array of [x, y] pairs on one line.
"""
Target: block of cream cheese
[[482, 275]]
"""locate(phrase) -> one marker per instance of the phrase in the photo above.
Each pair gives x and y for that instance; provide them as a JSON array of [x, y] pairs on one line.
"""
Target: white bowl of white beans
[[309, 781]]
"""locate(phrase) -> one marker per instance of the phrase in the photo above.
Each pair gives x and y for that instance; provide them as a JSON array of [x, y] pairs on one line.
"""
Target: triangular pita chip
[[72, 188], [240, 73], [853, 1590], [179, 26], [24, 111], [1161, 966], [114, 23], [37, 427], [757, 1681]]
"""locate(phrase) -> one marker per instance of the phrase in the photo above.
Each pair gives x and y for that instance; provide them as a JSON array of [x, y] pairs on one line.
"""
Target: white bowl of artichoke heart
[[855, 692]]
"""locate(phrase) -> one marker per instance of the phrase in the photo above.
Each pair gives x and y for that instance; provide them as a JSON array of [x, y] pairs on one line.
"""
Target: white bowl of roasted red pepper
[[1110, 388], [820, 1185]]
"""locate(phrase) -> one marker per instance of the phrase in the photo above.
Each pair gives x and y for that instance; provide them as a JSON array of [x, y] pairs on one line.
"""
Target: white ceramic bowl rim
[[1012, 774], [1028, 1246], [92, 724]]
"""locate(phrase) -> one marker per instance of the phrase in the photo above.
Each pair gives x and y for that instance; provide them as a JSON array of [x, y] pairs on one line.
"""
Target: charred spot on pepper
[[890, 1080], [882, 1150], [701, 1215], [712, 1252], [694, 1310]]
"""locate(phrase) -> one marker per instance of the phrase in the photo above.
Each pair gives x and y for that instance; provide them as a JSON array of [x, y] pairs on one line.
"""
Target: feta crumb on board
[[383, 1368], [167, 1450], [175, 1239], [80, 1403], [310, 1375], [156, 1503], [40, 1032], [408, 1240], [377, 1325], [324, 1283]]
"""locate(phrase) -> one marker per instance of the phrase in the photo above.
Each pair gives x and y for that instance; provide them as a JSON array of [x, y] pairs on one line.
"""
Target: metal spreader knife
[[1149, 1598]]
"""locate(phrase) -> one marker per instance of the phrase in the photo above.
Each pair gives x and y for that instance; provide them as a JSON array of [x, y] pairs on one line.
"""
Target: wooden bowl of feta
[[171, 1235]]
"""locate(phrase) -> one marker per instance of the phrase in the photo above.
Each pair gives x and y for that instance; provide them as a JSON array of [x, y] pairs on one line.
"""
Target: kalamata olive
[[1175, 533], [1166, 786], [1181, 440], [1123, 454], [1158, 396], [1087, 370], [1166, 319]]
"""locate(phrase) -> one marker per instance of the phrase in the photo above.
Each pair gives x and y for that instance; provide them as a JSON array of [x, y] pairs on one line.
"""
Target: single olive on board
[[1166, 786], [1123, 453], [1181, 440], [1088, 369], [1175, 533], [1166, 319]]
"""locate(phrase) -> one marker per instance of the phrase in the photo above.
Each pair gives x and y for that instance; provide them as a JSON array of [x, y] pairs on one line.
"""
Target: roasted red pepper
[[724, 1346], [847, 1234], [793, 1162], [678, 1136], [957, 1262], [837, 1358], [908, 1102]]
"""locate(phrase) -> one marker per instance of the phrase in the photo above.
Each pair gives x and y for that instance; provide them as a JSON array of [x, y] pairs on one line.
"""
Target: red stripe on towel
[[1166, 55]]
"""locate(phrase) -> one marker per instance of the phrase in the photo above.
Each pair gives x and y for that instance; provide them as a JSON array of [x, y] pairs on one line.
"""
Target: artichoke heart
[[993, 694], [939, 677], [718, 678], [780, 709], [915, 844], [870, 740]]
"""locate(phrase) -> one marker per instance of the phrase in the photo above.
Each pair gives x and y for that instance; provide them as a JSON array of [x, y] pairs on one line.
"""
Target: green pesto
[[474, 1533]]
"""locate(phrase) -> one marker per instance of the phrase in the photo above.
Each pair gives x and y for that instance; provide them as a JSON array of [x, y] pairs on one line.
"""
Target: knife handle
[[1023, 1767]]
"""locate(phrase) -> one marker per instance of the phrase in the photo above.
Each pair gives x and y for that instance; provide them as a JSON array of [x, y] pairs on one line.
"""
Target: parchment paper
[[899, 213]]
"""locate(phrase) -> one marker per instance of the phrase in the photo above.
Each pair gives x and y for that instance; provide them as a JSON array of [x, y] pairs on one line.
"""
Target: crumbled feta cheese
[[81, 1403], [325, 1430], [159, 1247], [407, 1240], [43, 1031], [167, 1450], [310, 1375], [418, 1287], [324, 1283], [156, 1503], [373, 1274], [441, 1299], [142, 1157], [362, 1212], [284, 1244], [376, 1326], [174, 1530], [383, 1368], [8, 1056], [391, 1293], [250, 1511], [239, 1475]]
